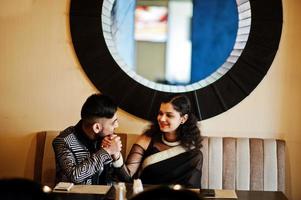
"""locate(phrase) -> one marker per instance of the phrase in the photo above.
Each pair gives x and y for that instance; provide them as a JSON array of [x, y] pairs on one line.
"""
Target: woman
[[169, 151]]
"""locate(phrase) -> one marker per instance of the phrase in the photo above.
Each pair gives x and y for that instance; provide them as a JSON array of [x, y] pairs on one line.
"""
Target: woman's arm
[[135, 157]]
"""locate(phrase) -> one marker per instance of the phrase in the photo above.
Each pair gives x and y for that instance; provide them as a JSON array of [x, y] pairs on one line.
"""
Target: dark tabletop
[[242, 195]]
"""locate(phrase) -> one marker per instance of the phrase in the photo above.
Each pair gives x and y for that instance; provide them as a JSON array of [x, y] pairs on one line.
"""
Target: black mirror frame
[[141, 101]]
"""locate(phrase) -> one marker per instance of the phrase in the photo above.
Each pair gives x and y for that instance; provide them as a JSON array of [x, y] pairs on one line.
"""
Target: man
[[81, 157]]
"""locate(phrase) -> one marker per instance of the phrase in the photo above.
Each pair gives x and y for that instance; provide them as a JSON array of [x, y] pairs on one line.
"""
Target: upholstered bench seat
[[229, 163]]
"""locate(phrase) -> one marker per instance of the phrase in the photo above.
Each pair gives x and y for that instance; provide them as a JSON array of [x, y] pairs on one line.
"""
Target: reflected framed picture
[[151, 23]]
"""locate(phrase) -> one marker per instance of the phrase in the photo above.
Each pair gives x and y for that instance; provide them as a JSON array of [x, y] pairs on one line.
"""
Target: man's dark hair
[[98, 106]]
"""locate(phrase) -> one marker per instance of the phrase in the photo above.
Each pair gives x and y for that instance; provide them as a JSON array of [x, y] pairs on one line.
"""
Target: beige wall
[[43, 86]]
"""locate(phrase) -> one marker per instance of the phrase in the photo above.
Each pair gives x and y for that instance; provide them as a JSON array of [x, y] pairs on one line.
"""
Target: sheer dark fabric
[[129, 170], [134, 160], [162, 164]]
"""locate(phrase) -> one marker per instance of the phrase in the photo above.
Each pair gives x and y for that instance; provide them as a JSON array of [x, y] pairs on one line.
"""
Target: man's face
[[108, 125]]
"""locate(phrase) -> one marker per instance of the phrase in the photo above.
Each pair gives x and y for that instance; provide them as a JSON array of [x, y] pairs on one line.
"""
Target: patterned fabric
[[75, 160]]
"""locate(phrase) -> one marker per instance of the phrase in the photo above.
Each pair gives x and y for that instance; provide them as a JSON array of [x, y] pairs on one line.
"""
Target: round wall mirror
[[256, 44], [227, 35], [163, 46]]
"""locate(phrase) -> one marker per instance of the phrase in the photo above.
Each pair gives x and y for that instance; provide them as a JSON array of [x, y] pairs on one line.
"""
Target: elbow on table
[[76, 179]]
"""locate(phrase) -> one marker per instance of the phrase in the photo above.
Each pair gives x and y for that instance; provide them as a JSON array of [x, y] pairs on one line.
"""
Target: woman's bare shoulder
[[143, 140]]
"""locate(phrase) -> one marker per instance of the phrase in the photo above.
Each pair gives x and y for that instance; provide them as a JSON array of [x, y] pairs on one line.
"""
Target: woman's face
[[168, 118]]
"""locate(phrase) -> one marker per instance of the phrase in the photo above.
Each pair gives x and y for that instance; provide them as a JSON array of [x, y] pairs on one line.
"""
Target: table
[[242, 195], [260, 195]]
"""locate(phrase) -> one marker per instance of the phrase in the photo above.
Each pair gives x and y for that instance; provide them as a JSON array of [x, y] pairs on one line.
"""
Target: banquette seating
[[229, 163]]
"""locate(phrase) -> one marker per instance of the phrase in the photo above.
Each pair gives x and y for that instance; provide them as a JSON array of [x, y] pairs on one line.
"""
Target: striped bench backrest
[[243, 164]]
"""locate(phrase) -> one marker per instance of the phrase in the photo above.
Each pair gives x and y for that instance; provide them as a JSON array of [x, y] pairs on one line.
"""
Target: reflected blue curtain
[[213, 33]]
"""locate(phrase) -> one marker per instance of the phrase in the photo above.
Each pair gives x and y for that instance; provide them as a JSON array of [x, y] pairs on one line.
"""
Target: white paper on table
[[88, 189], [63, 186], [225, 194]]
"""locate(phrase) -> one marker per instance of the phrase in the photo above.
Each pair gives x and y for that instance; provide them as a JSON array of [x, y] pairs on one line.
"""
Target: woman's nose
[[162, 118]]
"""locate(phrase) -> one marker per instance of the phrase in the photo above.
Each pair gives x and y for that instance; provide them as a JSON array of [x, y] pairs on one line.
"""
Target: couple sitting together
[[167, 153]]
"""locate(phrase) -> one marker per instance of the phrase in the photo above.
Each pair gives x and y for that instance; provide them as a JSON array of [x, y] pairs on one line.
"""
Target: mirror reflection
[[176, 42]]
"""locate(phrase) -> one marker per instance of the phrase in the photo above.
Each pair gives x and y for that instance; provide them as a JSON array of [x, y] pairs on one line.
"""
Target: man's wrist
[[118, 162], [116, 156], [107, 150]]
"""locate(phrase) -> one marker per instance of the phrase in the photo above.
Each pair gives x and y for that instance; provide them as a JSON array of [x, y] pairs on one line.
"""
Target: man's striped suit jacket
[[74, 162]]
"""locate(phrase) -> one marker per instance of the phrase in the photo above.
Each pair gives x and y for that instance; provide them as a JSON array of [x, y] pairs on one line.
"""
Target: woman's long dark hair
[[188, 133]]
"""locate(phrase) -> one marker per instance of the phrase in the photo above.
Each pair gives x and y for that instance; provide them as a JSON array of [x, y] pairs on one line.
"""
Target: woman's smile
[[163, 125]]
